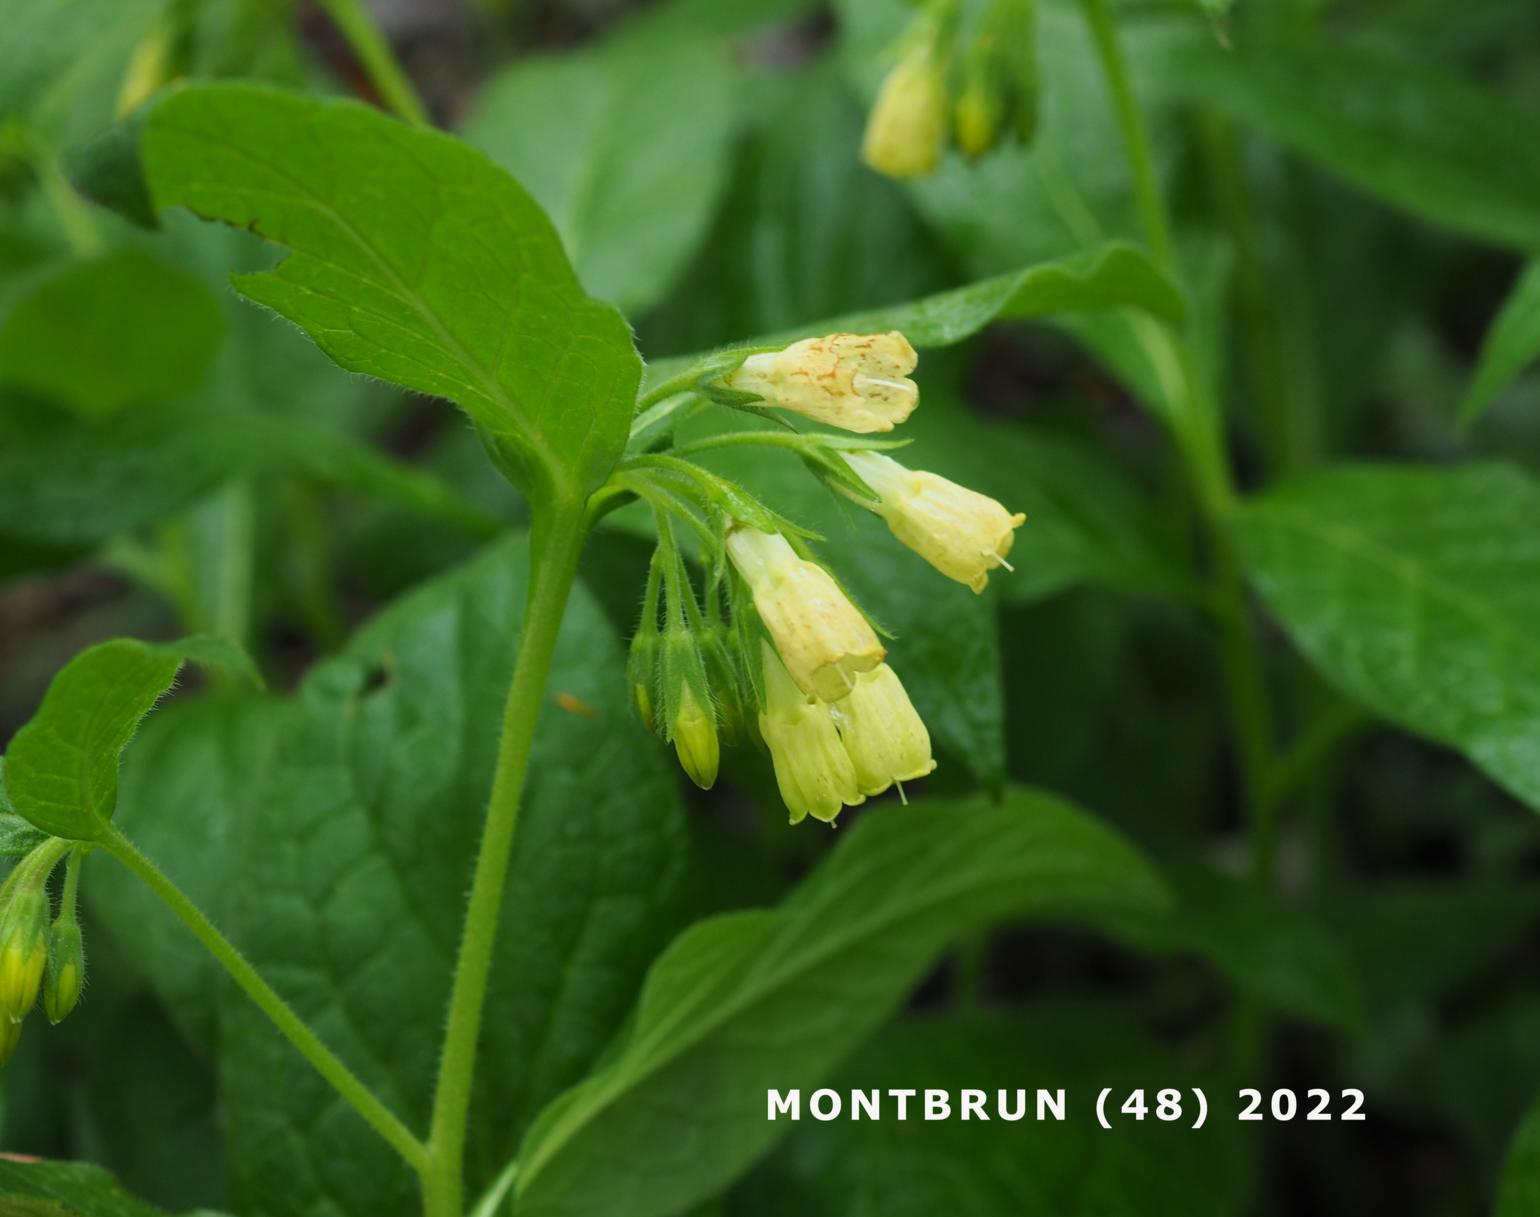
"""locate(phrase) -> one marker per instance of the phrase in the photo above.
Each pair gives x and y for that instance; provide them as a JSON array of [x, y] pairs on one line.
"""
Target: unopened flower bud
[[694, 734], [906, 130], [642, 676], [883, 734], [857, 382], [23, 950], [960, 532], [10, 1035], [66, 969], [822, 638], [812, 768], [980, 109], [722, 676]]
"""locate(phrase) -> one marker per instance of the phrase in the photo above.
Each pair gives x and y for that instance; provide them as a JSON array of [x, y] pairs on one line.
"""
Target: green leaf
[[117, 330], [414, 260], [1111, 277], [1512, 342], [1000, 1169], [1275, 953], [190, 787], [1416, 592], [38, 1188], [1434, 144], [626, 146], [61, 769], [753, 1000], [330, 834]]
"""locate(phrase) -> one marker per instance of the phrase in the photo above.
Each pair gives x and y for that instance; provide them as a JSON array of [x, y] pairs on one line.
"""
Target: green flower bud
[[10, 1035], [66, 970], [23, 951], [978, 115], [642, 676], [694, 733], [726, 684]]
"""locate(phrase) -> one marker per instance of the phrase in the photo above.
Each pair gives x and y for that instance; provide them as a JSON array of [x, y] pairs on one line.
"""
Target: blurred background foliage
[[1356, 181]]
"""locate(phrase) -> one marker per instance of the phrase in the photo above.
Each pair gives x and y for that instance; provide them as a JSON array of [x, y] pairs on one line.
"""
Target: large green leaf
[[626, 146], [1436, 145], [37, 1188], [1512, 342], [753, 1000], [61, 768], [1415, 591], [191, 787], [112, 331], [331, 835], [893, 1168], [414, 259]]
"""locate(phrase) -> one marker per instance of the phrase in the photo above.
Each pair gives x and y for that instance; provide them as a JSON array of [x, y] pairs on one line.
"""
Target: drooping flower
[[906, 130], [883, 735], [822, 638], [813, 769], [857, 382], [960, 532]]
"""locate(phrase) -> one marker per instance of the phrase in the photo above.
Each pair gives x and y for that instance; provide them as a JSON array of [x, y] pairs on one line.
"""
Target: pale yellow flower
[[906, 130], [857, 382], [812, 768], [883, 735], [960, 532], [822, 637]]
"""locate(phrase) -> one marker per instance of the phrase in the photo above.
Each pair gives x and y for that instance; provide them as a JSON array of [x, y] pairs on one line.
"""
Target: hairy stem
[[553, 566], [376, 58], [294, 1029]]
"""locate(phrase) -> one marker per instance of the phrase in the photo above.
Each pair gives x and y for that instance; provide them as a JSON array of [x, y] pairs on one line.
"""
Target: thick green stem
[[1260, 325], [377, 60], [1136, 141], [327, 1064], [1199, 432], [553, 568]]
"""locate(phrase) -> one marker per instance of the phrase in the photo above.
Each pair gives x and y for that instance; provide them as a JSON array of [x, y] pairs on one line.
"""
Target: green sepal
[[66, 972]]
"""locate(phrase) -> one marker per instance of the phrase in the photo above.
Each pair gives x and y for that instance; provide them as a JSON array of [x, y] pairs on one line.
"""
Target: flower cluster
[[36, 956], [964, 67], [778, 645]]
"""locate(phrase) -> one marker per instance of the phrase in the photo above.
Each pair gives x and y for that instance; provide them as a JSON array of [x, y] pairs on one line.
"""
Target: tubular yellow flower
[[960, 532], [695, 740], [906, 129], [824, 642], [857, 382], [812, 768], [883, 734]]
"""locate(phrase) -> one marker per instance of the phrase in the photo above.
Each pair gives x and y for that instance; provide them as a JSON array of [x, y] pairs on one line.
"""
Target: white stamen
[[902, 797]]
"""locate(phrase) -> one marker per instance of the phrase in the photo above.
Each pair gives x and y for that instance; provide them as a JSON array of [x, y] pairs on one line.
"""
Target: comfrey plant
[[780, 645]]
